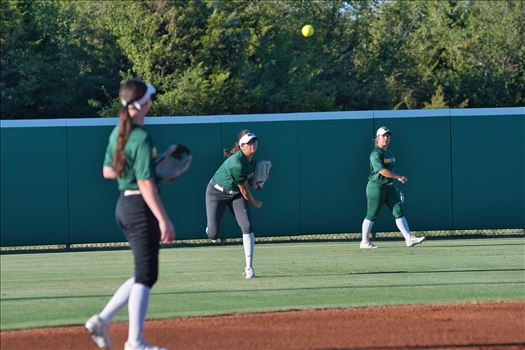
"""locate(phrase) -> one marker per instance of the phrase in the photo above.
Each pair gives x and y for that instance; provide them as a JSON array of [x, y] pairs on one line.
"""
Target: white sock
[[137, 310], [402, 225], [366, 227], [117, 301], [248, 241]]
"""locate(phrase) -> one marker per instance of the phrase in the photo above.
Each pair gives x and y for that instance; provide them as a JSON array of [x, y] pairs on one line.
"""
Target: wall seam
[[68, 194], [451, 171], [297, 123]]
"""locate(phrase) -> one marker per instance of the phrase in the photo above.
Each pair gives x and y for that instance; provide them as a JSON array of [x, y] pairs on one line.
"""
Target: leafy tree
[[66, 59], [437, 101], [189, 50], [472, 50], [492, 59], [52, 63]]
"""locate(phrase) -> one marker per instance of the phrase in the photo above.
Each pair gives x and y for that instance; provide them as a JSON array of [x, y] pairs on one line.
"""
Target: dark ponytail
[[124, 129], [130, 91], [228, 152]]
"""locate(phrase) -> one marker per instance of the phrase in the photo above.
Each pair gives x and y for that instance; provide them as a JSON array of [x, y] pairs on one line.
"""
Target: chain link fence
[[320, 237]]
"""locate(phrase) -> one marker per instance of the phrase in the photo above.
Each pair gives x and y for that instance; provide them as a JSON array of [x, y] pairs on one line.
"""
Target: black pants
[[216, 203], [141, 229]]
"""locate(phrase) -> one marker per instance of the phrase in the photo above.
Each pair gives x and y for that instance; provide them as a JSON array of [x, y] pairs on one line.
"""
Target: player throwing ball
[[140, 215], [381, 190], [229, 187]]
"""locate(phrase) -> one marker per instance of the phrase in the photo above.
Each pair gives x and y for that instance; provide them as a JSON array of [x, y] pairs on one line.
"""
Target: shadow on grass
[[236, 291]]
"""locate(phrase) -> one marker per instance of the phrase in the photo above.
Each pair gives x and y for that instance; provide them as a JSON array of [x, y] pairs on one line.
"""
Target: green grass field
[[66, 288]]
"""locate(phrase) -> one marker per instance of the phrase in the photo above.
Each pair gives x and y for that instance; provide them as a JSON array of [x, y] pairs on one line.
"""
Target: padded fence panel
[[279, 214], [184, 197], [33, 186], [333, 163], [488, 171], [92, 212], [466, 171], [92, 198], [421, 146]]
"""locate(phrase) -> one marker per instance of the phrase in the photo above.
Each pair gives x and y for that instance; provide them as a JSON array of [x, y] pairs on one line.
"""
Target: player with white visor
[[139, 213], [381, 190], [229, 187]]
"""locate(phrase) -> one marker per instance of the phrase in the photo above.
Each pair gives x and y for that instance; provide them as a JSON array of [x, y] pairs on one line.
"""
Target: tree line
[[66, 59]]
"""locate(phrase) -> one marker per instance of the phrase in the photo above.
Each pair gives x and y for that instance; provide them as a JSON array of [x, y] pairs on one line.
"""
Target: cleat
[[213, 241], [367, 245], [142, 346], [99, 332], [248, 273], [414, 241]]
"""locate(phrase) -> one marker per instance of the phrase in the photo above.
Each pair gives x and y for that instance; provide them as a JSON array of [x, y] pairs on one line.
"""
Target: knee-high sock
[[248, 241], [402, 225], [117, 301], [366, 227], [137, 309]]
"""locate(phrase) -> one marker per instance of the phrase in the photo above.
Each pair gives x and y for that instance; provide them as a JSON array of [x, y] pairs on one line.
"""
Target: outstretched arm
[[245, 191], [390, 174]]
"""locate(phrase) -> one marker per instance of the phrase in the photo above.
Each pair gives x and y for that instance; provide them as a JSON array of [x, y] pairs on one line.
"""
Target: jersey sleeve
[[376, 161], [110, 149], [108, 158], [143, 165]]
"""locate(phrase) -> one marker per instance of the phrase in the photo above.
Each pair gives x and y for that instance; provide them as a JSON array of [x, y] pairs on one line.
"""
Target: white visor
[[382, 130], [247, 138], [140, 102]]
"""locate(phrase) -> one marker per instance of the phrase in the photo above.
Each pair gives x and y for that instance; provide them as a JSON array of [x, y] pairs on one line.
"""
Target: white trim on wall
[[487, 111], [277, 117], [412, 113]]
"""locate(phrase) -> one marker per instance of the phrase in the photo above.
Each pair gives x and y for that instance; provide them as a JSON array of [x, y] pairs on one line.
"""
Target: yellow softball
[[307, 30]]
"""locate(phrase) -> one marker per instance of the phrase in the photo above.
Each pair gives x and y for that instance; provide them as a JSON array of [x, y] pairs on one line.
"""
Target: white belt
[[223, 190], [131, 193]]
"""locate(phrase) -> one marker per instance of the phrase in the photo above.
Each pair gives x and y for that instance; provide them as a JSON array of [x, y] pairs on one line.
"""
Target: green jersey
[[140, 155], [234, 171], [381, 159]]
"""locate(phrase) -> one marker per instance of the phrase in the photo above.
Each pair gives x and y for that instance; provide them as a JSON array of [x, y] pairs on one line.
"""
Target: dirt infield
[[495, 325]]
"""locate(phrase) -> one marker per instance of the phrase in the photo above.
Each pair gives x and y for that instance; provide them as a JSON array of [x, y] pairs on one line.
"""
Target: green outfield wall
[[465, 170]]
